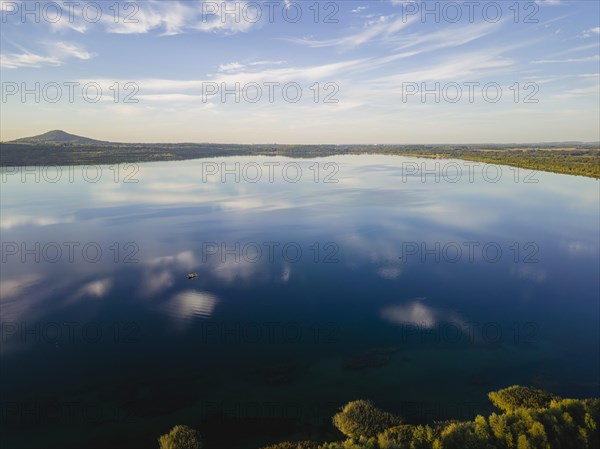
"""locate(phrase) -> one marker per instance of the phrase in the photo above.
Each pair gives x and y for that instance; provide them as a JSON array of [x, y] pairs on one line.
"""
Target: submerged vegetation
[[530, 419], [569, 158]]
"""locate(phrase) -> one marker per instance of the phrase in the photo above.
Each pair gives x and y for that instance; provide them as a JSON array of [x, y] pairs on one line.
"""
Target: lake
[[418, 284]]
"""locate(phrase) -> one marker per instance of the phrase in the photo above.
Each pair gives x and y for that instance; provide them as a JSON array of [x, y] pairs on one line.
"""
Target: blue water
[[365, 278]]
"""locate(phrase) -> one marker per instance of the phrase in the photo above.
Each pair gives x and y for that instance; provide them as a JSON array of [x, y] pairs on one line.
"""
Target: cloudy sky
[[302, 72]]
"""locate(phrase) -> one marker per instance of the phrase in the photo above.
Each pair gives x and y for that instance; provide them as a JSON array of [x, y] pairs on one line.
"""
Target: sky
[[305, 72]]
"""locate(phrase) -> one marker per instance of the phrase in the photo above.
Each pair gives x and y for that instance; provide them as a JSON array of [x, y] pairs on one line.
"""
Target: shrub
[[513, 398], [180, 437], [361, 443], [398, 437], [294, 445], [362, 419], [423, 437], [463, 435]]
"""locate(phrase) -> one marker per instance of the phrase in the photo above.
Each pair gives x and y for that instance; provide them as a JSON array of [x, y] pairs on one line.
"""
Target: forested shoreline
[[528, 418], [573, 159]]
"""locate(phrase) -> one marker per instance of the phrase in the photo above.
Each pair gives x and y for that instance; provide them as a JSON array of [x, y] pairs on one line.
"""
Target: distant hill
[[58, 137]]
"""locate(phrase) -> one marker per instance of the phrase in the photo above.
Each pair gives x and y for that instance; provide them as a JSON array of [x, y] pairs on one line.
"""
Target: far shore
[[573, 158]]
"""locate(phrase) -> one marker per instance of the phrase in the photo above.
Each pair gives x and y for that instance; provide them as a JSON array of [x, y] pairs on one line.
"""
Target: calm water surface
[[421, 296]]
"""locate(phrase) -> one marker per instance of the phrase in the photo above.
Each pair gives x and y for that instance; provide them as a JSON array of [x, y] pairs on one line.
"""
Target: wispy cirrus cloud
[[15, 61], [468, 66], [176, 17], [231, 67], [359, 9], [165, 18], [595, 45], [232, 73], [381, 29], [69, 50], [56, 54], [448, 37], [237, 66], [569, 60], [591, 91]]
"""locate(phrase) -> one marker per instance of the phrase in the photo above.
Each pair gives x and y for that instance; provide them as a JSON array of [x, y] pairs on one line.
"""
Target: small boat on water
[[192, 276]]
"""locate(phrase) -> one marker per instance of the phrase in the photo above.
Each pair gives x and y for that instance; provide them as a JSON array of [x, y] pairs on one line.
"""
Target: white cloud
[[146, 20], [243, 76], [382, 28], [562, 61], [58, 52], [176, 17], [166, 18], [70, 50], [467, 66], [448, 37], [582, 92], [15, 61], [231, 67], [578, 49], [359, 9], [64, 26], [257, 63], [591, 32]]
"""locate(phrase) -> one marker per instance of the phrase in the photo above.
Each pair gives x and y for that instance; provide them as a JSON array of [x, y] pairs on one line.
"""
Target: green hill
[[58, 137]]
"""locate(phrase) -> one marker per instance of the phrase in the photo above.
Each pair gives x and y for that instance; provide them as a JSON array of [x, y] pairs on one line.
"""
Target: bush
[[362, 419], [180, 437], [568, 423], [464, 435], [513, 398], [423, 437], [294, 445], [399, 437], [361, 443]]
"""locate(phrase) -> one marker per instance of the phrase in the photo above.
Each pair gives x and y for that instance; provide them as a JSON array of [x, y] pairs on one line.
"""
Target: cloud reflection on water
[[415, 313], [191, 304]]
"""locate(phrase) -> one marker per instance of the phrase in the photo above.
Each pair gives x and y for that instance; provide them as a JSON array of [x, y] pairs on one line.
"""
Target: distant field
[[572, 159]]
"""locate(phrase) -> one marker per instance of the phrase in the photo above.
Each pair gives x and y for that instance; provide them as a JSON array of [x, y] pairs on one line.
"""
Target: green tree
[[463, 435], [362, 419], [180, 437], [423, 437], [399, 437], [516, 397], [532, 419], [294, 445]]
